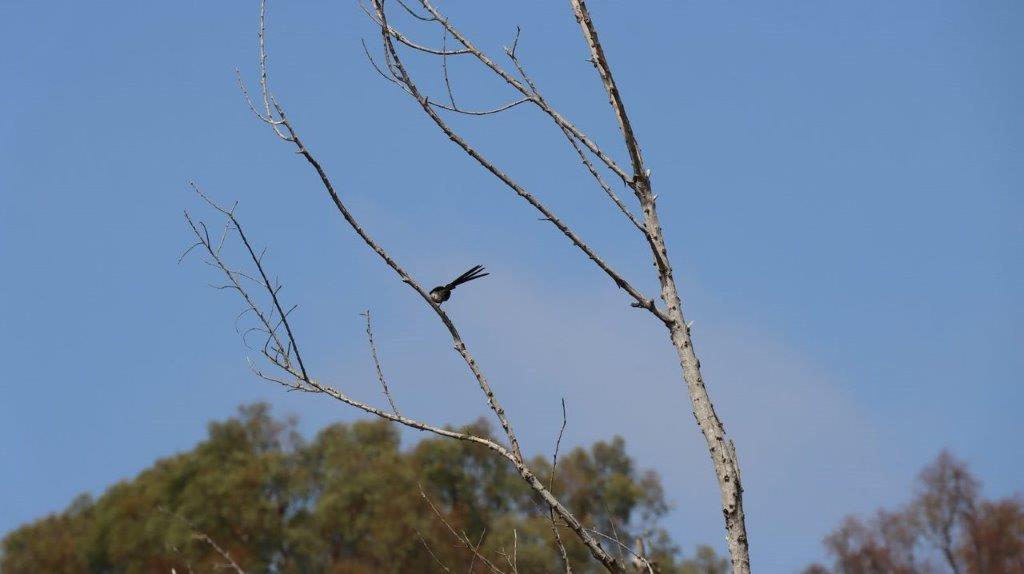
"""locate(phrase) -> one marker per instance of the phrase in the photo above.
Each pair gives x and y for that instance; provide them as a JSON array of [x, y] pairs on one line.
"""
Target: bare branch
[[431, 552], [388, 77], [563, 554], [223, 553], [516, 84], [376, 362], [597, 58], [301, 381], [636, 557], [235, 285], [513, 558], [475, 547], [414, 14], [403, 39], [444, 68], [391, 77], [460, 536], [489, 112], [291, 135], [722, 450], [277, 351], [403, 77], [281, 349], [257, 261], [267, 115], [575, 144], [199, 535], [512, 51]]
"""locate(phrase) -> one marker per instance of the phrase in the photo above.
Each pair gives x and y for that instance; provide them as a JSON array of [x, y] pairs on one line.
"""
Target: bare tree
[[947, 517], [947, 494], [281, 347], [994, 542], [637, 179]]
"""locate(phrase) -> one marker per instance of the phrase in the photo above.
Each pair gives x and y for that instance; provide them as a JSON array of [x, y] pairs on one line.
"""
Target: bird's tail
[[475, 272]]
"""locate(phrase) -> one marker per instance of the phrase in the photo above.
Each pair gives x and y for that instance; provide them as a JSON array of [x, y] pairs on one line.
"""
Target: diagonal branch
[[597, 58], [301, 380], [257, 260], [199, 535], [281, 122], [460, 346], [722, 450], [551, 486], [403, 76], [462, 537], [592, 544], [576, 146], [391, 77], [519, 86], [376, 362], [223, 553]]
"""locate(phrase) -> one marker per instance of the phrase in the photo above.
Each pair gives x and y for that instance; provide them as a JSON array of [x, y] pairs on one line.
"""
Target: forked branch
[[721, 449], [401, 74], [283, 345]]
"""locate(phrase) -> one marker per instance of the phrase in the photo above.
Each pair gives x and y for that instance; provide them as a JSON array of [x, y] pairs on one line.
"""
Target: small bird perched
[[442, 293]]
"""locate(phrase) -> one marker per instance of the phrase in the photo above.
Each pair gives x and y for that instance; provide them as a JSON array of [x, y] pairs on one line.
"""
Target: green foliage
[[348, 501]]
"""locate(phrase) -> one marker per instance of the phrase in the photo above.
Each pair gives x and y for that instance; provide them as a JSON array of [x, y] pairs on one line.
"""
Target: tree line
[[352, 500], [349, 500]]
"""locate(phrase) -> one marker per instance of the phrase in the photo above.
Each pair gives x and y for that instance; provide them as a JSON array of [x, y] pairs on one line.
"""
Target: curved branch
[[292, 136], [576, 146], [405, 40], [510, 80], [403, 77]]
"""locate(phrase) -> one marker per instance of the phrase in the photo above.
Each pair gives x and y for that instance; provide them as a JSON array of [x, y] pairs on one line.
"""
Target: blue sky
[[840, 185]]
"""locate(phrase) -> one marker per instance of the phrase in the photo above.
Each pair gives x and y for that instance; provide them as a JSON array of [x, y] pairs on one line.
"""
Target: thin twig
[[223, 553], [402, 38], [460, 536], [199, 535], [413, 13], [258, 261], [392, 77], [575, 143], [563, 554], [444, 68], [376, 362], [431, 552], [617, 542], [516, 84]]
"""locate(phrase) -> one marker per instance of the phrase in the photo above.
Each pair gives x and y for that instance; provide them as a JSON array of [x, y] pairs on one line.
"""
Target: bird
[[442, 293]]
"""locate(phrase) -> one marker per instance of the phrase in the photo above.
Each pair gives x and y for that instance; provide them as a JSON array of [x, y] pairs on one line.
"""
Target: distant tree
[[53, 544], [994, 541], [945, 528], [706, 561], [349, 500]]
